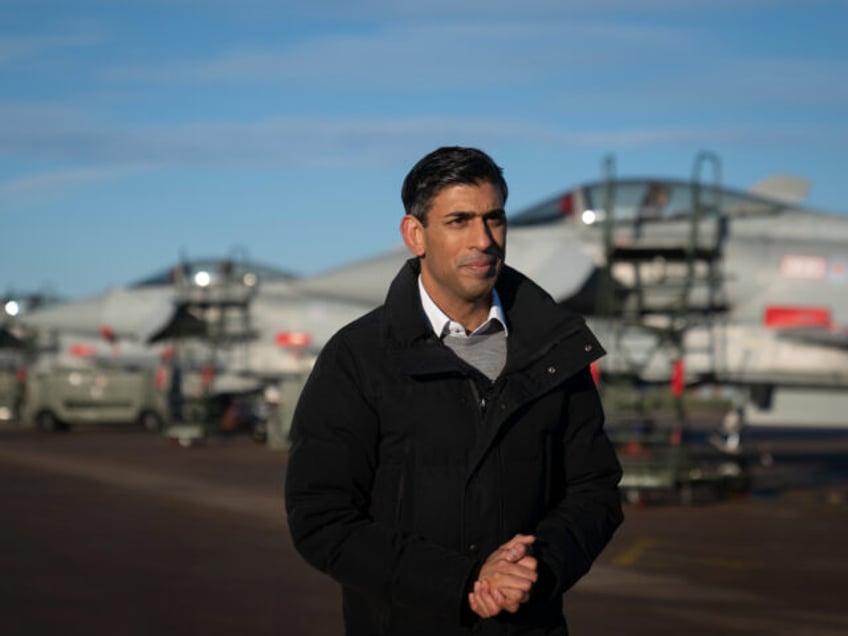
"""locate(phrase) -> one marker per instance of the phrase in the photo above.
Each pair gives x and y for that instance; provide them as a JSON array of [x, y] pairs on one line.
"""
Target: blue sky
[[134, 132]]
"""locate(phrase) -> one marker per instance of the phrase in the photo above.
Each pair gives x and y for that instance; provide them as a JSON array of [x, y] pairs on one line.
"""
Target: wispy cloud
[[792, 79], [442, 9], [577, 57], [14, 48], [415, 58], [51, 185], [324, 142]]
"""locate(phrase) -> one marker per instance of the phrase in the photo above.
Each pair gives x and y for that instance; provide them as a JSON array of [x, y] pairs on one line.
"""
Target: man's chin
[[481, 288]]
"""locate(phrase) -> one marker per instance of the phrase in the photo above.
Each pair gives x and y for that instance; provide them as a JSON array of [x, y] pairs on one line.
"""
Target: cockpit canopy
[[645, 199], [206, 272]]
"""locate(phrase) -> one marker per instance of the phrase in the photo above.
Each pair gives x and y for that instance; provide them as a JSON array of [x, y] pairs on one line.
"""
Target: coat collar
[[443, 324], [537, 324]]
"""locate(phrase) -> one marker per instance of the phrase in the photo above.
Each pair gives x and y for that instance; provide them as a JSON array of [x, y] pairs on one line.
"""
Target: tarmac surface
[[109, 531]]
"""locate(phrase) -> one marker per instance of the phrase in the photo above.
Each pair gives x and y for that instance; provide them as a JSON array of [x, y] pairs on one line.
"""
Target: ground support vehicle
[[61, 396]]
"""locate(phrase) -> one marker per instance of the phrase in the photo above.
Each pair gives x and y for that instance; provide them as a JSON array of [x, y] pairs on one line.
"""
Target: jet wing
[[549, 254], [365, 281], [817, 336], [135, 314], [552, 256]]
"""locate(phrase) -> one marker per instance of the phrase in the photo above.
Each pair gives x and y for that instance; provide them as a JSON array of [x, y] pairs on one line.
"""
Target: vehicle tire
[[633, 496], [150, 421], [259, 433], [49, 423]]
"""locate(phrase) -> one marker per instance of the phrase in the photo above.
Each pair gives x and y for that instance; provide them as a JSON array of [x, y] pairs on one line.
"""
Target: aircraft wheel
[[150, 421], [259, 433], [687, 493], [49, 423]]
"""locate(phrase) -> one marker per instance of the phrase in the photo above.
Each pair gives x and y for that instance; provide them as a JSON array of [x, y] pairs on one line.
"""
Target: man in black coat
[[448, 464]]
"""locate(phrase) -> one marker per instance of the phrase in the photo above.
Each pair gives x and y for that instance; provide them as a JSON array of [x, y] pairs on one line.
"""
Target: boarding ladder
[[663, 279], [666, 277], [222, 304]]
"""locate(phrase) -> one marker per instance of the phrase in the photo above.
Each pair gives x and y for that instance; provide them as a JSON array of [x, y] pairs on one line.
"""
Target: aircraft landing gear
[[46, 421]]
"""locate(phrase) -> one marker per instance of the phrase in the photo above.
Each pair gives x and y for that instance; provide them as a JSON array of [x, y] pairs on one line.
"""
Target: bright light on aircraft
[[12, 308], [250, 279], [202, 279], [589, 217]]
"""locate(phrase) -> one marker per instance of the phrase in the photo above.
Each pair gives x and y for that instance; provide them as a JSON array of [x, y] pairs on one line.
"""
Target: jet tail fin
[[786, 188]]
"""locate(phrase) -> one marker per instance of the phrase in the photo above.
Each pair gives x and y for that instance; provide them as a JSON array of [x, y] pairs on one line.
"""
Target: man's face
[[462, 247]]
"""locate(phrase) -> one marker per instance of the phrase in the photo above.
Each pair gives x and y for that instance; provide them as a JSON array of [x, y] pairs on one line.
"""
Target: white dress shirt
[[442, 323]]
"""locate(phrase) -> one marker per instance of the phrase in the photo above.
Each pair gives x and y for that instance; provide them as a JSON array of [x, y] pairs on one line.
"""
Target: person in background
[[652, 206]]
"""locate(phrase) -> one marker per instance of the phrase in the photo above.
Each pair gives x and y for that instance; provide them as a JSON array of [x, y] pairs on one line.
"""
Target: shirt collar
[[442, 324]]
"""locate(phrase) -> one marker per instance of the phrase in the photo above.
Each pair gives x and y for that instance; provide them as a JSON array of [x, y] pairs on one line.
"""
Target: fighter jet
[[694, 282], [230, 324]]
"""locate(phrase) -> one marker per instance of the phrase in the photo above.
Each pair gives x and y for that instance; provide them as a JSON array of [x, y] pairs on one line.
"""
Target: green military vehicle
[[62, 396]]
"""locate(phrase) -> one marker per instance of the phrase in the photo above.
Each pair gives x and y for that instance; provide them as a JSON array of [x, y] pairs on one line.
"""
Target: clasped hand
[[506, 578]]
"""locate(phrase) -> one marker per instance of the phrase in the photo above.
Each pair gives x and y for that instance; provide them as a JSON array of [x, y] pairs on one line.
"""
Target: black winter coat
[[408, 467]]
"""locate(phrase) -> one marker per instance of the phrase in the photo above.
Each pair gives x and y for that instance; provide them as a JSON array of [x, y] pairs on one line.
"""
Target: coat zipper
[[401, 489], [480, 407], [400, 494], [479, 400]]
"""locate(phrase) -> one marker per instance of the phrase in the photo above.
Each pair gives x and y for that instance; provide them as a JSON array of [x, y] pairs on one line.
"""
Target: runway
[[111, 531]]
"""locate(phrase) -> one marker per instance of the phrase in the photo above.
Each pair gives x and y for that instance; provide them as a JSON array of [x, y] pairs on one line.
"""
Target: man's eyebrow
[[459, 214], [468, 215]]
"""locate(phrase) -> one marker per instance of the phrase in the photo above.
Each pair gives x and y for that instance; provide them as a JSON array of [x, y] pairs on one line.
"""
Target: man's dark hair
[[449, 165]]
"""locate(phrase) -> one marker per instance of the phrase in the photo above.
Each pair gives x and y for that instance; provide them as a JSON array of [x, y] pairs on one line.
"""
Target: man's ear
[[412, 232]]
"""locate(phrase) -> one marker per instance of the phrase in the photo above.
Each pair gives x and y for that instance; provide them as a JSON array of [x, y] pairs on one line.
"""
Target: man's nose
[[481, 234]]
